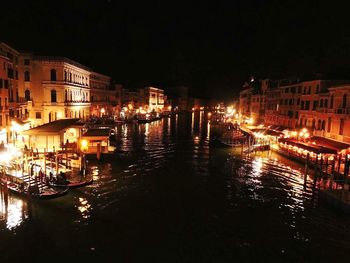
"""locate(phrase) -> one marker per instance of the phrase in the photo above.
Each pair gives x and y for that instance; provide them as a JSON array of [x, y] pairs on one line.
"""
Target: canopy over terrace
[[311, 147], [54, 134], [331, 144]]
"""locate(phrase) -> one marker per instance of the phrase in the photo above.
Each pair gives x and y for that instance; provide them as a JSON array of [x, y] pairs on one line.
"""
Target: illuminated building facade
[[5, 63], [103, 95], [321, 106], [153, 99], [12, 77], [53, 88]]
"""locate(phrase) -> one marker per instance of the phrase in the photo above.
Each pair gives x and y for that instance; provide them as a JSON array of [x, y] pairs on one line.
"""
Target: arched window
[[65, 95], [70, 76], [26, 76], [65, 76], [321, 103], [319, 125], [53, 96], [53, 74], [344, 100], [313, 124], [326, 103], [323, 125], [27, 94]]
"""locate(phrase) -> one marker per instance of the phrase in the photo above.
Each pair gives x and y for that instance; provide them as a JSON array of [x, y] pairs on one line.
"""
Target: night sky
[[212, 48]]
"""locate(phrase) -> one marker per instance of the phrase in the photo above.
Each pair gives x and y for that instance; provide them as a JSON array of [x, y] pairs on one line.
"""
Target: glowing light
[[209, 114], [103, 110], [84, 145], [169, 107]]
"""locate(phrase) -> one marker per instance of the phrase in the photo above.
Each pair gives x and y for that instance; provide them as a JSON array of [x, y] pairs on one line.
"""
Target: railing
[[76, 103], [343, 111], [60, 82]]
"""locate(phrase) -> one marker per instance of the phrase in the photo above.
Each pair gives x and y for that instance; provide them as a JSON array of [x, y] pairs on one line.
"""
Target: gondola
[[72, 184], [22, 187]]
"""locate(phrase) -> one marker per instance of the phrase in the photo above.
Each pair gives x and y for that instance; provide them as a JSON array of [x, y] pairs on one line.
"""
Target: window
[[298, 101], [307, 105], [26, 61], [6, 83], [315, 104], [304, 92], [299, 89], [38, 115], [332, 100], [26, 76], [1, 84], [65, 76], [16, 75], [302, 105], [53, 75], [325, 103], [53, 96], [309, 90], [321, 103], [296, 114], [27, 95], [341, 127], [344, 100], [329, 124]]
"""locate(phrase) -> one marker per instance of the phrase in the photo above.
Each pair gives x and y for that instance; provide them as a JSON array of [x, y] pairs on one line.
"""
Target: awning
[[308, 146], [335, 145], [96, 134], [53, 128]]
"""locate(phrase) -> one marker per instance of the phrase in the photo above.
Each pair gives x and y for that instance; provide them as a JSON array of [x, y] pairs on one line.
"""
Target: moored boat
[[27, 186]]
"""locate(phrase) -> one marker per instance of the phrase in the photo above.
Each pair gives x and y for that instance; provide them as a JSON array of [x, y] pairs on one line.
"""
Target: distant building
[[103, 95]]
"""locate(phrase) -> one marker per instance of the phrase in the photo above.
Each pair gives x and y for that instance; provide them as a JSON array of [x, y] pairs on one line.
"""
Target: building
[[12, 75], [53, 88], [153, 99], [321, 106], [103, 95], [5, 64]]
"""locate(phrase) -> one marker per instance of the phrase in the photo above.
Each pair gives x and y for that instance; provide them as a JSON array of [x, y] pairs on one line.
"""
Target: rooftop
[[53, 128]]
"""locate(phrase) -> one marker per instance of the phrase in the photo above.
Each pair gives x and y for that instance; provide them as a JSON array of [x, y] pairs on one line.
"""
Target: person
[[2, 145], [50, 176]]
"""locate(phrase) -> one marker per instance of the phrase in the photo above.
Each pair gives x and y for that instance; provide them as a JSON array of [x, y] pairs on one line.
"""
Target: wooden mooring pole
[[306, 168], [315, 175]]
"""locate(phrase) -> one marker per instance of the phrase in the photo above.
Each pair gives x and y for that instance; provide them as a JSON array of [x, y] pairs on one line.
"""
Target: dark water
[[176, 199]]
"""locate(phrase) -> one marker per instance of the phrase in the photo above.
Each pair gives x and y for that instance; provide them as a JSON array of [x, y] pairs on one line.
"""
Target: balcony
[[343, 111], [77, 103], [49, 82]]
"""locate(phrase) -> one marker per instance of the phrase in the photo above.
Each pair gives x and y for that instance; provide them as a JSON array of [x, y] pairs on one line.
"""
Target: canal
[[171, 197]]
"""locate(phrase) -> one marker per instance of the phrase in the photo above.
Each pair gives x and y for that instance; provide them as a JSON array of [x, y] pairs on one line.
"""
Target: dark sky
[[213, 48]]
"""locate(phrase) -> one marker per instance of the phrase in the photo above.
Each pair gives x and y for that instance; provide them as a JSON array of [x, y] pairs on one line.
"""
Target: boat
[[221, 142], [25, 185], [72, 184]]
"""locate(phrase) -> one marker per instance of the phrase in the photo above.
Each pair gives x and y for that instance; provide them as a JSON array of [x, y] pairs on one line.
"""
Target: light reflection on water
[[174, 190], [13, 210]]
